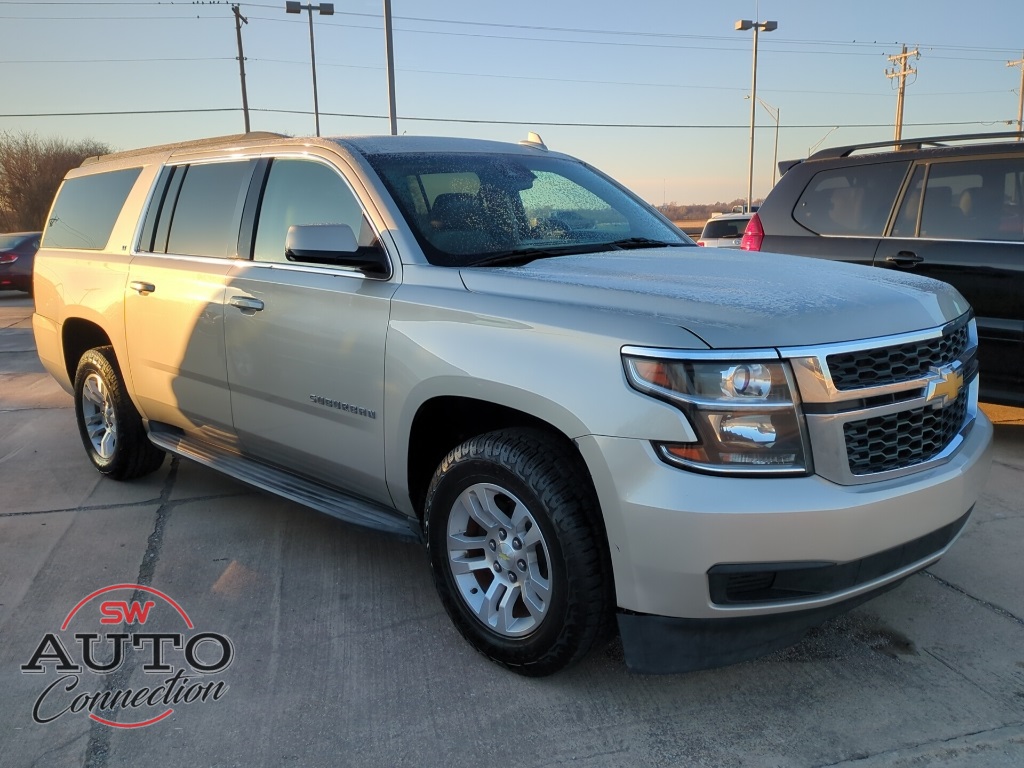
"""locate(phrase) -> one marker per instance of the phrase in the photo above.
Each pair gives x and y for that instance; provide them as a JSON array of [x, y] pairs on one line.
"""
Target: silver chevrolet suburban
[[591, 423]]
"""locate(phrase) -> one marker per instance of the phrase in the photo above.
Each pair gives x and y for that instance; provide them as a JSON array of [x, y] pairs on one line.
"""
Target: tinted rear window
[[86, 208], [7, 242], [206, 215], [856, 200], [728, 228]]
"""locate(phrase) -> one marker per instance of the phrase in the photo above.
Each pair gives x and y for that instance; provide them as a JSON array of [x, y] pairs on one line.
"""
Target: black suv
[[950, 207]]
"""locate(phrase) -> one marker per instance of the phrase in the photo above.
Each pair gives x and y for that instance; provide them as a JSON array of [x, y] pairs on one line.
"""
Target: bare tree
[[31, 169]]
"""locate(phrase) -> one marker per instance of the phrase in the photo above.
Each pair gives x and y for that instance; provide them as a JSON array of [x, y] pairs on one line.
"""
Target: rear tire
[[111, 428], [516, 550]]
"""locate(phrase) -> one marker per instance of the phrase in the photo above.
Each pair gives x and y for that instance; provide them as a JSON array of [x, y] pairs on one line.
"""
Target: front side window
[[305, 192], [852, 201], [472, 208], [86, 209]]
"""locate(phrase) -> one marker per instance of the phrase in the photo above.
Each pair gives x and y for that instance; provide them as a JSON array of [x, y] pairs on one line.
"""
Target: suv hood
[[735, 299]]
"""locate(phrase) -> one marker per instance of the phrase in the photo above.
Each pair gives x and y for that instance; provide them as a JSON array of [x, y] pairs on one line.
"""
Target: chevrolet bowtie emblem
[[944, 386]]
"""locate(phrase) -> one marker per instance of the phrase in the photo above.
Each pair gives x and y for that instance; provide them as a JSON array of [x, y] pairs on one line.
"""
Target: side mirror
[[333, 244]]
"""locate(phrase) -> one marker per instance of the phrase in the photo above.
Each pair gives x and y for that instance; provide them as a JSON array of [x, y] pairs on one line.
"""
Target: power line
[[480, 121]]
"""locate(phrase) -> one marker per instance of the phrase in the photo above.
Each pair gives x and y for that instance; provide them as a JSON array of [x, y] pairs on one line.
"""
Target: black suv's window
[[305, 192], [208, 209], [86, 208], [851, 201], [965, 200]]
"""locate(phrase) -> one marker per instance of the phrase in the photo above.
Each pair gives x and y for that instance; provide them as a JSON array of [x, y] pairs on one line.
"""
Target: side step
[[356, 511]]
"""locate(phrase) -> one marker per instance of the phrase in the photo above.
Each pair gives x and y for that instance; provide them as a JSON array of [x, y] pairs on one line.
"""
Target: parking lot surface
[[341, 654]]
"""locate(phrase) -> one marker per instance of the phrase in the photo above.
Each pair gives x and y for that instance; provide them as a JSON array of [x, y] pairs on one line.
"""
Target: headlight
[[744, 411]]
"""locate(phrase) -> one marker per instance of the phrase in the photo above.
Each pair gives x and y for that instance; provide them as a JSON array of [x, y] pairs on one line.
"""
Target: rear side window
[[207, 212], [851, 201], [86, 208], [965, 200]]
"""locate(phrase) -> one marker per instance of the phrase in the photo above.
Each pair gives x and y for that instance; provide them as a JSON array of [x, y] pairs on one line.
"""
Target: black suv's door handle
[[905, 259]]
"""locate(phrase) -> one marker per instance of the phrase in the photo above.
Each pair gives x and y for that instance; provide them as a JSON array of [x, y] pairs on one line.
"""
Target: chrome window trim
[[315, 269]]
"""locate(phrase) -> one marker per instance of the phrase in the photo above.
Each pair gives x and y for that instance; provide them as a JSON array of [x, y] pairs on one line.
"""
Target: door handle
[[905, 259], [246, 303], [143, 289]]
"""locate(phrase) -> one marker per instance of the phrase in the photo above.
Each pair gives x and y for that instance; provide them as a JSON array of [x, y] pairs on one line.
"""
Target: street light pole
[[757, 26], [325, 9], [774, 115], [810, 150]]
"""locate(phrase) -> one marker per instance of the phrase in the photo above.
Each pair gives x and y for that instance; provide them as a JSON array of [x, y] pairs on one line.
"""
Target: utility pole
[[390, 50], [1020, 93], [901, 73], [239, 20]]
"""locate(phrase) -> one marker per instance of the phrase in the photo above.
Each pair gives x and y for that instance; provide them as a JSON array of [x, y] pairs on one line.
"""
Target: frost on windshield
[[465, 207]]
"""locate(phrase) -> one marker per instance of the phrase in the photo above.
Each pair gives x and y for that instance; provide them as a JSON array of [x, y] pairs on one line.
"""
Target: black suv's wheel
[[111, 428], [515, 554]]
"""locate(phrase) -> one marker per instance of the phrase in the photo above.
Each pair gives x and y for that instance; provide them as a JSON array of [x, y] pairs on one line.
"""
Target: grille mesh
[[903, 362], [883, 443]]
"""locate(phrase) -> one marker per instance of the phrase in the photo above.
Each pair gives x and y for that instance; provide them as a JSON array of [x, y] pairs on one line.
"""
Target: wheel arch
[[444, 422], [78, 336]]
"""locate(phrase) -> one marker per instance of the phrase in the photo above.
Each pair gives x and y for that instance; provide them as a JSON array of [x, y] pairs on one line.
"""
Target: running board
[[352, 510]]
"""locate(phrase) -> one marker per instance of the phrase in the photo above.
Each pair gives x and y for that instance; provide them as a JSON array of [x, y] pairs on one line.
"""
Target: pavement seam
[[98, 749], [130, 504], [921, 754], [983, 603]]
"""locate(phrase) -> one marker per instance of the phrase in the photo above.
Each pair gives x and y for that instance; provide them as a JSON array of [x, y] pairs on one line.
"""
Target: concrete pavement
[[342, 654]]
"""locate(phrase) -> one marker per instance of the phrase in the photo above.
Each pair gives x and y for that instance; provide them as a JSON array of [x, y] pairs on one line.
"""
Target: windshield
[[476, 208]]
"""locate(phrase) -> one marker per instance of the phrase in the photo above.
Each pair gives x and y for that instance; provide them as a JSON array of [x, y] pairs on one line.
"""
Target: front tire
[[111, 428], [518, 561]]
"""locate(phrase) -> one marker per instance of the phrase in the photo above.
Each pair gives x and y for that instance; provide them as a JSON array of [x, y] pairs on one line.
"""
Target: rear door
[[967, 229], [174, 304]]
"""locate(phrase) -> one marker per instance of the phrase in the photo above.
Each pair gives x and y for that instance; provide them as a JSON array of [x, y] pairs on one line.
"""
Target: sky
[[654, 92]]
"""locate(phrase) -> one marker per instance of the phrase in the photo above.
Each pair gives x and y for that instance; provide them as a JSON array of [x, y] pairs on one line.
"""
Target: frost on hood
[[732, 297]]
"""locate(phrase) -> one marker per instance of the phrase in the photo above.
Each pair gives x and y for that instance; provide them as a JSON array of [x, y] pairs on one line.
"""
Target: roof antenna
[[534, 140]]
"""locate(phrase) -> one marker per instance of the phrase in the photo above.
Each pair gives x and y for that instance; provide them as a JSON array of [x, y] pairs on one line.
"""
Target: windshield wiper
[[643, 242], [518, 256]]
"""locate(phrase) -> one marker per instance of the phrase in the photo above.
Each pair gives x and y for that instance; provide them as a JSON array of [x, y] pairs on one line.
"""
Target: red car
[[17, 252]]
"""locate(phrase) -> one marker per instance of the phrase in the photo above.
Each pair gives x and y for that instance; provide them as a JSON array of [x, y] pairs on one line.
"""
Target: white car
[[725, 231]]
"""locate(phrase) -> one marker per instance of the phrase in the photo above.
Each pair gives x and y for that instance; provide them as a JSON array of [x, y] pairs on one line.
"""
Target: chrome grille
[[902, 362], [883, 443], [888, 407]]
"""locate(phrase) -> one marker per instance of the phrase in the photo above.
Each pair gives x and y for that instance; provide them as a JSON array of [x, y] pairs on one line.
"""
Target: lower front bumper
[[661, 645]]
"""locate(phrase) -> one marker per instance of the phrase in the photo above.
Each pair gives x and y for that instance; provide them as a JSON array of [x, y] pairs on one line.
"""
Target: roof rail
[[214, 141], [909, 144]]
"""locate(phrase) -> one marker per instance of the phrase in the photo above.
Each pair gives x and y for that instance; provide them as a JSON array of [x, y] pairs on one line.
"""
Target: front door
[[305, 343]]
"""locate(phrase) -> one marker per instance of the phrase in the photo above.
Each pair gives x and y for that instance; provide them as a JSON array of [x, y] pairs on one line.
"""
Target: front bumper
[[668, 528]]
